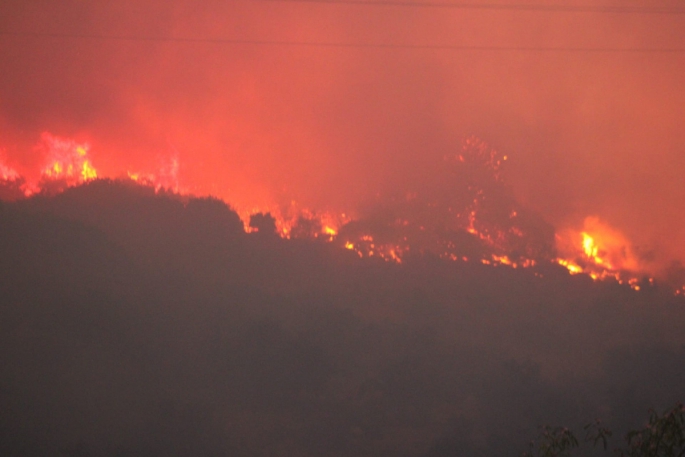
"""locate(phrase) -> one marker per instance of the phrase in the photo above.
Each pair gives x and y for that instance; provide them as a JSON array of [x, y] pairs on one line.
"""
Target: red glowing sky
[[587, 132]]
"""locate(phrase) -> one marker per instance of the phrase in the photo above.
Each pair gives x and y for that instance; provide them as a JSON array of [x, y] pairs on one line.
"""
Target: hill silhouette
[[143, 323]]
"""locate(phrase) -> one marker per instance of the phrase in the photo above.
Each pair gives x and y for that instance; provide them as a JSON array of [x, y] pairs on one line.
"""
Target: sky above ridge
[[268, 102]]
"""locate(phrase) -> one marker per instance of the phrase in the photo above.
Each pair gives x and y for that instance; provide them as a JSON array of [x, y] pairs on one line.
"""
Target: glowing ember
[[572, 267]]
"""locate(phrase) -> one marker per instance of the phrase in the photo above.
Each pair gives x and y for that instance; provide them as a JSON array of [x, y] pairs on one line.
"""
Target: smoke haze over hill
[[588, 133], [399, 197]]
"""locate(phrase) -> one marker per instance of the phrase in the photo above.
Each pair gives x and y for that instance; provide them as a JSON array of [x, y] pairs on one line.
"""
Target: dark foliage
[[135, 323]]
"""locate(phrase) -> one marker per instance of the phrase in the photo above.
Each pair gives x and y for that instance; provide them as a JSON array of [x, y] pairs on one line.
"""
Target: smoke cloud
[[588, 133]]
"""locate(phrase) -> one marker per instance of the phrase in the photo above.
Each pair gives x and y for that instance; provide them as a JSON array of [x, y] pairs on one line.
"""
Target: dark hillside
[[135, 323]]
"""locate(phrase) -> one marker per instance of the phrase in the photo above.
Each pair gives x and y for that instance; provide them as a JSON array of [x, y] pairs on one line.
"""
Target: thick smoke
[[140, 323], [587, 133]]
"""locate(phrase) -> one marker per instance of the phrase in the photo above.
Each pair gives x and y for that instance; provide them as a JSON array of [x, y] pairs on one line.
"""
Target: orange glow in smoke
[[7, 173], [597, 250]]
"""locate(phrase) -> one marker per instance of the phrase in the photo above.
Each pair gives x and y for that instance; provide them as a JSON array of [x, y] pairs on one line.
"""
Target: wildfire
[[12, 185], [599, 251], [67, 160], [67, 164], [480, 224], [295, 221], [7, 173], [366, 247], [591, 248], [505, 260]]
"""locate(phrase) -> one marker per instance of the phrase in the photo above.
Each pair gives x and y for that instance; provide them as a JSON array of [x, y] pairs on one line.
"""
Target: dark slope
[[142, 324]]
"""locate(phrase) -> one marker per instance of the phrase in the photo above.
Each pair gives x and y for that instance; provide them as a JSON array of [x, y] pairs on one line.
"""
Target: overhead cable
[[499, 6], [333, 44]]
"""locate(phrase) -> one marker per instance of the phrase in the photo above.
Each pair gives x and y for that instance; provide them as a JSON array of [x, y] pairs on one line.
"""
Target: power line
[[498, 6], [324, 44]]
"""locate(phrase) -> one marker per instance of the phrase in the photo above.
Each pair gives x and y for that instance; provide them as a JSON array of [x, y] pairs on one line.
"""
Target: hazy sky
[[587, 132]]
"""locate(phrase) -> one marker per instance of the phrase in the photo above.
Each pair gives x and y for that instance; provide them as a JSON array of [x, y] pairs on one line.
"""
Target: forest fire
[[600, 252], [341, 228], [66, 160], [479, 221], [7, 173], [12, 185]]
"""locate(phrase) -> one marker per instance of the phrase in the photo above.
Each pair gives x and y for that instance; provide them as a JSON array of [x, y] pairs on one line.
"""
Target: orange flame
[[7, 173], [597, 250], [67, 160]]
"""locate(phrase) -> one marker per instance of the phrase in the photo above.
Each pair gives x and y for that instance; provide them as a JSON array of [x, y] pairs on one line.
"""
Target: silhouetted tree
[[663, 436], [264, 223]]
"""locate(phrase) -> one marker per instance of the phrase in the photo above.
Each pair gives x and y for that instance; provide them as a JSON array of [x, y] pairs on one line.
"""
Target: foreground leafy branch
[[663, 436]]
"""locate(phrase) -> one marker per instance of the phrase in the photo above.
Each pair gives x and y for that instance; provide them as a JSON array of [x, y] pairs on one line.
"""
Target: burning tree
[[470, 215]]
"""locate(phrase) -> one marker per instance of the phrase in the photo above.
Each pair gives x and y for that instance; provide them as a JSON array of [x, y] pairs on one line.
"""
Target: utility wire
[[324, 44], [499, 6]]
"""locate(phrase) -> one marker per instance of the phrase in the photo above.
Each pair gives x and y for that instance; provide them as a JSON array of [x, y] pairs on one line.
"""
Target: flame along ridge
[[471, 235]]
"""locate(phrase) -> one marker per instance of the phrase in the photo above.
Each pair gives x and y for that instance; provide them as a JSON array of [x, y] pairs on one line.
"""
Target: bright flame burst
[[67, 160], [600, 252], [597, 250]]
